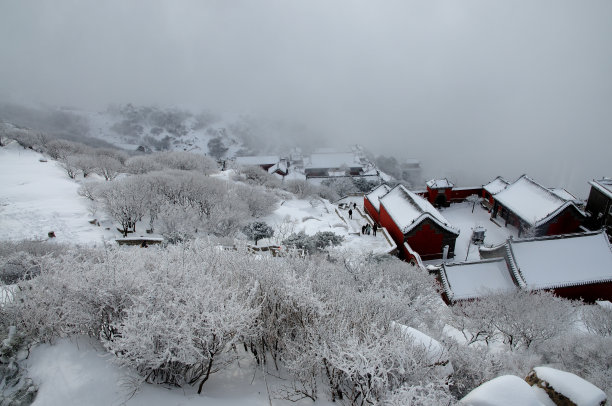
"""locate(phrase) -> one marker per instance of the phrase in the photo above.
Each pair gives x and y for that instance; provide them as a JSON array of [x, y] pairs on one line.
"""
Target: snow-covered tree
[[258, 230], [125, 201], [108, 166]]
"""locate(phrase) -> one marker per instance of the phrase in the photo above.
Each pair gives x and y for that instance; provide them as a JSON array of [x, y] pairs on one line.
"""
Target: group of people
[[367, 228]]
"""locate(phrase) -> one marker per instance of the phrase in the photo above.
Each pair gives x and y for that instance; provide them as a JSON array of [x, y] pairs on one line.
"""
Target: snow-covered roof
[[257, 160], [439, 183], [333, 160], [496, 185], [408, 210], [569, 260], [280, 166], [603, 185], [532, 202], [564, 194], [375, 194], [470, 280], [579, 391]]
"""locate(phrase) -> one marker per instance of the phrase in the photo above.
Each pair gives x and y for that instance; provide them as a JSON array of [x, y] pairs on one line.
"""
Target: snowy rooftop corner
[[439, 183]]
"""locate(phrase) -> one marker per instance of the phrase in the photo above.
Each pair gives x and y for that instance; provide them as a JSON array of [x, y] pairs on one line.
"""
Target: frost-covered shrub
[[474, 365], [586, 355], [520, 318], [342, 186], [22, 259], [141, 164], [598, 320], [318, 242], [427, 394], [300, 188], [255, 175], [60, 149], [325, 239], [187, 161], [181, 328], [259, 202], [178, 314], [258, 230]]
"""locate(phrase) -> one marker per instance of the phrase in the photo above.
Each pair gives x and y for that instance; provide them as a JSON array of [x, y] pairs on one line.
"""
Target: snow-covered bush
[[259, 202], [108, 166], [255, 175], [60, 149], [520, 318], [184, 324], [598, 320], [427, 394], [22, 259], [187, 161], [178, 314], [124, 200], [586, 355], [142, 164], [311, 244], [258, 230], [342, 186]]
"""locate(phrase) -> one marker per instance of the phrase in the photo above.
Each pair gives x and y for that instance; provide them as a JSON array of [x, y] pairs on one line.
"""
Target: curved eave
[[569, 284], [424, 216]]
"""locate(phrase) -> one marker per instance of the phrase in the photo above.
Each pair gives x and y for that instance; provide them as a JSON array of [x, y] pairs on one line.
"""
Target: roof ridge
[[559, 236], [547, 190]]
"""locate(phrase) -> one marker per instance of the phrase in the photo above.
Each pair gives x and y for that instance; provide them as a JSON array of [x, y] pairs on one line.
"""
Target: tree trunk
[[210, 363]]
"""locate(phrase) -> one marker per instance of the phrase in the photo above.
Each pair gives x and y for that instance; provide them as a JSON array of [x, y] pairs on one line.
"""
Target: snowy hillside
[[37, 198]]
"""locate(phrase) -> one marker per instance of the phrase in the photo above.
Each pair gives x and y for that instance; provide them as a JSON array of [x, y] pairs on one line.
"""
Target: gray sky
[[473, 88]]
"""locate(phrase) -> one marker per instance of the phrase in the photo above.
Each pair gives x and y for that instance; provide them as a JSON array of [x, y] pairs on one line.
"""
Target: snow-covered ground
[[312, 216], [79, 372], [460, 216], [38, 197]]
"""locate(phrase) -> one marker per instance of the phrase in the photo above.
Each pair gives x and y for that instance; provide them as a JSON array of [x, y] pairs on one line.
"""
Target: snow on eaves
[[257, 160], [565, 195], [496, 185], [532, 202], [603, 185], [375, 194], [559, 261], [408, 210], [570, 260], [469, 280], [439, 183]]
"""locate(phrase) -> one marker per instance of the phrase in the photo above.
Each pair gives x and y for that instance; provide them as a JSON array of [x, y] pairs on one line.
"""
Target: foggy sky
[[473, 88]]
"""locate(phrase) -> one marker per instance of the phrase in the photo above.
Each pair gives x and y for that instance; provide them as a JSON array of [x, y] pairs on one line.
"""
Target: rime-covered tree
[[258, 230]]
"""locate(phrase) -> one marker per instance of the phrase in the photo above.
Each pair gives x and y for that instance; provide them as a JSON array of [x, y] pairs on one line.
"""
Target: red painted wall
[[371, 210], [432, 194], [426, 240], [589, 293], [453, 195], [462, 194], [568, 221], [386, 221]]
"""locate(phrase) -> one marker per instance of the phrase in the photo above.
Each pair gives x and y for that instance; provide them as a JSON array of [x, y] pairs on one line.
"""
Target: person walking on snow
[[350, 214], [374, 229], [368, 229], [363, 228]]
